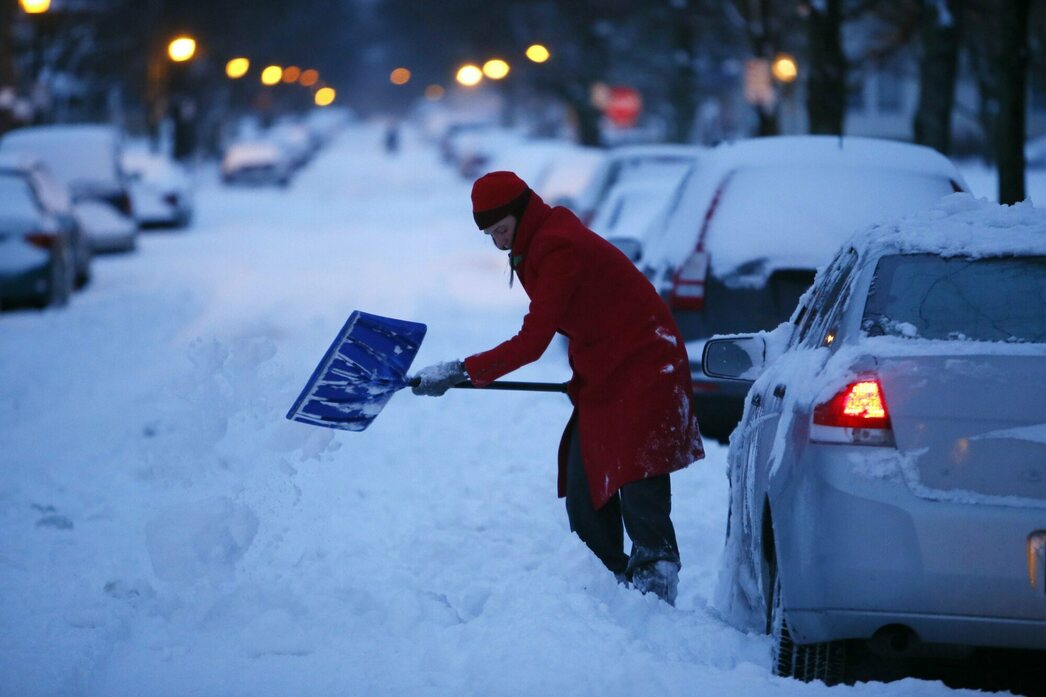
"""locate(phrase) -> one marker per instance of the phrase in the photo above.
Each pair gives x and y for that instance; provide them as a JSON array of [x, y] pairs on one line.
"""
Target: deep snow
[[165, 531]]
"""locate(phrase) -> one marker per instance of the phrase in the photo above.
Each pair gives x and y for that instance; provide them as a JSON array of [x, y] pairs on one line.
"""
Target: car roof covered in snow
[[960, 225], [792, 200], [79, 152]]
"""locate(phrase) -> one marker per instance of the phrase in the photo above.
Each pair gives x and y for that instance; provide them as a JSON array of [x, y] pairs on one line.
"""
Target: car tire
[[61, 282], [824, 661]]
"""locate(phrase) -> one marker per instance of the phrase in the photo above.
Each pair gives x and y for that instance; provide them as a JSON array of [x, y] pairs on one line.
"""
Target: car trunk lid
[[973, 426]]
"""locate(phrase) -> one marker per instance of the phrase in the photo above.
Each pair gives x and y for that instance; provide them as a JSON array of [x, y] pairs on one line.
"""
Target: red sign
[[623, 107]]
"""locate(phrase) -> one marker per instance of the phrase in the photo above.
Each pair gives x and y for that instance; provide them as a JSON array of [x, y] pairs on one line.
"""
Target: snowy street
[[164, 530]]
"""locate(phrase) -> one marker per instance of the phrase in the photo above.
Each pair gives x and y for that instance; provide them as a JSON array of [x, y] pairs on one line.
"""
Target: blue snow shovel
[[365, 366]]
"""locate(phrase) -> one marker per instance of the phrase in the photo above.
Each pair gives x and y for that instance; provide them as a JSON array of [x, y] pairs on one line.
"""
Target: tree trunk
[[1012, 72], [8, 78], [682, 92], [938, 68], [826, 86]]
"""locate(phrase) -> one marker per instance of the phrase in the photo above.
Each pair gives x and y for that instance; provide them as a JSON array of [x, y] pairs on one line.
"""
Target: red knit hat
[[496, 195]]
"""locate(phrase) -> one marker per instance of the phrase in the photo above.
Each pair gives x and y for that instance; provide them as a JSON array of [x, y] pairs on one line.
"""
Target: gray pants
[[642, 508]]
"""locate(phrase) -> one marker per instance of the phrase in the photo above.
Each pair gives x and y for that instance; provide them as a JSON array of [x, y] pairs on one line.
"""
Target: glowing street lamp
[[291, 74], [271, 75], [784, 68], [181, 49], [35, 7], [495, 69], [399, 76], [469, 75], [237, 68], [434, 93], [538, 53], [325, 96], [309, 77]]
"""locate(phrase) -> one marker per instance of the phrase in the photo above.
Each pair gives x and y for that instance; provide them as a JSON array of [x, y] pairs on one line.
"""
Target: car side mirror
[[734, 358], [630, 246]]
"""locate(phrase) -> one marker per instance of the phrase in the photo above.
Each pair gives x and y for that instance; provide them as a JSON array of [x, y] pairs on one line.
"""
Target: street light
[[35, 7], [291, 74], [237, 68], [399, 76], [434, 93], [495, 69], [308, 78], [271, 75], [469, 75], [538, 53], [325, 96], [784, 68], [181, 49]]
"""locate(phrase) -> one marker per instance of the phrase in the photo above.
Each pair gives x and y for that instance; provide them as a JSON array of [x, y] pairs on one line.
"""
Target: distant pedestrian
[[632, 423], [392, 138]]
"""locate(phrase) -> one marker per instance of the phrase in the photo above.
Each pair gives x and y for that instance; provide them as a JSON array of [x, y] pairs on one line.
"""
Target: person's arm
[[557, 270]]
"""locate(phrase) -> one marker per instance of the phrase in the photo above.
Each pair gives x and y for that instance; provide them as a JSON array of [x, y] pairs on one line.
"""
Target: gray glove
[[437, 379]]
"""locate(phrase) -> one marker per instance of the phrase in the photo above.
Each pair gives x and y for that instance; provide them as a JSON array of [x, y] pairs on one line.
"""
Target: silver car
[[888, 477]]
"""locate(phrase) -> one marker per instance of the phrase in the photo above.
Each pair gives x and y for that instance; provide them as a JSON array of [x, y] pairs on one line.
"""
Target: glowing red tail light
[[860, 405], [688, 286], [42, 240]]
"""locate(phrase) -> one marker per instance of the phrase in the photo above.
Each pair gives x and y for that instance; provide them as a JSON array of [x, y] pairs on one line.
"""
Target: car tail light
[[857, 414], [688, 286], [42, 240]]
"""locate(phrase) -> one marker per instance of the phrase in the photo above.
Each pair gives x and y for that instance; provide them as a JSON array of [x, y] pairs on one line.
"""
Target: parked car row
[[888, 476], [72, 191], [272, 156]]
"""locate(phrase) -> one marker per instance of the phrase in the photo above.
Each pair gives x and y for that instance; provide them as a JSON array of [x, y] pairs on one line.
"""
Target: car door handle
[[779, 391]]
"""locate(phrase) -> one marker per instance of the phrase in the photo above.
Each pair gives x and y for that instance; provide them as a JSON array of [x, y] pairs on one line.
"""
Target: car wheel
[[824, 661], [60, 285]]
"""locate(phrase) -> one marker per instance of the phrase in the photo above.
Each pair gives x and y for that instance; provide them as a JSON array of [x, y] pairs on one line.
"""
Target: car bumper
[[860, 552], [718, 404], [25, 284]]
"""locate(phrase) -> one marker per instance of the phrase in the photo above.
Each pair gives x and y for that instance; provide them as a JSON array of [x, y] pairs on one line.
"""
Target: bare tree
[[1012, 69], [826, 84], [940, 34]]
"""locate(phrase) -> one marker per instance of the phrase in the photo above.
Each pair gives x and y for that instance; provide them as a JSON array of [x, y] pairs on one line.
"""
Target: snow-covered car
[[108, 229], [757, 219], [36, 250], [625, 215], [54, 202], [888, 479], [87, 157], [632, 163], [161, 189], [567, 173], [256, 162], [296, 140]]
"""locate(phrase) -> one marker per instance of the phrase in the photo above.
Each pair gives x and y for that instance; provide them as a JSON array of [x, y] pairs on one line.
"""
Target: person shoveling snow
[[632, 423]]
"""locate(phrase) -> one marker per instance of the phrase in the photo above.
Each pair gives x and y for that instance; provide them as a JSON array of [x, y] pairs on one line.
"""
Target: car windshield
[[958, 298], [16, 198]]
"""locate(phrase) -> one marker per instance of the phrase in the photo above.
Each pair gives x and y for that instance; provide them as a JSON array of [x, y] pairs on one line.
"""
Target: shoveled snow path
[[164, 531]]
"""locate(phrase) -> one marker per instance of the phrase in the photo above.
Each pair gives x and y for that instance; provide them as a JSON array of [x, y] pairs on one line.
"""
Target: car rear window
[[72, 156], [16, 198], [796, 216], [958, 298]]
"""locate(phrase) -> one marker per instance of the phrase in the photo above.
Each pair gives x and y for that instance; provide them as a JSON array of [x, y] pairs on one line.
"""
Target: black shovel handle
[[519, 386], [510, 385]]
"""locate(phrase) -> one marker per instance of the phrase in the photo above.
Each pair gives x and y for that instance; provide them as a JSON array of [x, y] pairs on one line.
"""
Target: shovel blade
[[365, 365]]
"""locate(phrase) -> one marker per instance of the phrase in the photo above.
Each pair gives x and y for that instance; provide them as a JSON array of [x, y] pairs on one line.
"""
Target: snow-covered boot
[[660, 578]]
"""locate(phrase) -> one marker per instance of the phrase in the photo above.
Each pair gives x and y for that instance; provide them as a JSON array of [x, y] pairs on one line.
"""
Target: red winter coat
[[631, 384]]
